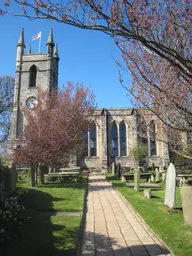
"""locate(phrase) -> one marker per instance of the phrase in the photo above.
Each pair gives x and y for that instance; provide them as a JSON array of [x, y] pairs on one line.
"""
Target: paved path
[[112, 227]]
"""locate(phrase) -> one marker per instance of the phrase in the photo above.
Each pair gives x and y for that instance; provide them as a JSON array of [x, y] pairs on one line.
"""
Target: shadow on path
[[98, 244]]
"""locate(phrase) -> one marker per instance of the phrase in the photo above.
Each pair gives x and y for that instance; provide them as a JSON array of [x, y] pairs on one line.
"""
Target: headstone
[[170, 187], [113, 169], [163, 177], [145, 166], [147, 193], [157, 175], [137, 180], [123, 179], [152, 177], [186, 198]]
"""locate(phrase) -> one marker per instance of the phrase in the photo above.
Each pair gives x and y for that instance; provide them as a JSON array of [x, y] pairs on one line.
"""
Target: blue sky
[[85, 56]]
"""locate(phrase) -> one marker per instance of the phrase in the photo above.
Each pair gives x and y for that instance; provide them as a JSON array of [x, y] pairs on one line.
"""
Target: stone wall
[[104, 120]]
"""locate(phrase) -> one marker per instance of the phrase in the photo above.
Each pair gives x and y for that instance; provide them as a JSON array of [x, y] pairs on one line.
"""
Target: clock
[[31, 103]]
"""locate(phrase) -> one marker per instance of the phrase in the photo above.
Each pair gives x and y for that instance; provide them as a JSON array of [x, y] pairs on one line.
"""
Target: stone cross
[[137, 180], [157, 175], [170, 188], [113, 169]]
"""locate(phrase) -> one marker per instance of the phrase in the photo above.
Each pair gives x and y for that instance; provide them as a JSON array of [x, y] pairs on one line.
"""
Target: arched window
[[33, 76], [123, 144], [152, 139], [114, 140], [93, 141]]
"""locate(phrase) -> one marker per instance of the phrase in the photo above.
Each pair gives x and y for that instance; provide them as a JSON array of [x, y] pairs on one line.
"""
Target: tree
[[54, 129], [138, 152], [161, 88], [6, 101], [163, 27]]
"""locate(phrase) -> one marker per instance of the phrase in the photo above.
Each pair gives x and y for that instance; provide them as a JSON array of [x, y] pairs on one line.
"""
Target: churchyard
[[53, 211], [51, 218], [163, 201]]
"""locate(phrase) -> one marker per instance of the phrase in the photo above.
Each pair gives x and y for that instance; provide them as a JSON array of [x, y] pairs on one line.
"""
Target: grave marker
[[170, 188]]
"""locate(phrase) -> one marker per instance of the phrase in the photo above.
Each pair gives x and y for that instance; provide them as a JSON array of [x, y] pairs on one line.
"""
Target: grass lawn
[[49, 236], [66, 196], [169, 227], [44, 234]]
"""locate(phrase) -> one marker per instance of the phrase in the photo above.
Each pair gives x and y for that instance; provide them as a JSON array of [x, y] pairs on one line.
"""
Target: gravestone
[[152, 177], [113, 169], [163, 177], [137, 180], [157, 175], [170, 188], [147, 193], [123, 179], [186, 198]]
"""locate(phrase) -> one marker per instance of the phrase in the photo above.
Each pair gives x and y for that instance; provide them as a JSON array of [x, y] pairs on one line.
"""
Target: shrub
[[10, 218]]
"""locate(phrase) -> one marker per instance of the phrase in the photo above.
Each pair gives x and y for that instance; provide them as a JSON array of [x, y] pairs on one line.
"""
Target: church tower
[[33, 71]]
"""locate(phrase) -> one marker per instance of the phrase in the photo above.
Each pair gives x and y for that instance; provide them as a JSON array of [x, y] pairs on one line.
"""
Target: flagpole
[[39, 43]]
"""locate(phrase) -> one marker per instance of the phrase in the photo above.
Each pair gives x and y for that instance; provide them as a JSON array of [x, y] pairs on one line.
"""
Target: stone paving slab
[[112, 227]]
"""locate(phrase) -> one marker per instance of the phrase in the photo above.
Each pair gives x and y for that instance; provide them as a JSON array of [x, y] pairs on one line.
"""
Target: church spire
[[50, 43], [21, 39], [29, 49], [50, 38], [20, 48], [55, 54]]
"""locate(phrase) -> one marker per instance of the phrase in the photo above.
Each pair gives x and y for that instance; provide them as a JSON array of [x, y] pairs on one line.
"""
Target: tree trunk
[[32, 175], [42, 174], [36, 175]]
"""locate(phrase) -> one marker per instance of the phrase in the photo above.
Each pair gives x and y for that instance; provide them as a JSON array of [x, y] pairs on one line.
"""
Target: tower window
[[33, 76]]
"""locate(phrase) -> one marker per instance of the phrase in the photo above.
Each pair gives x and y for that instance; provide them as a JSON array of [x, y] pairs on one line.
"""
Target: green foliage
[[138, 152], [10, 218], [181, 163]]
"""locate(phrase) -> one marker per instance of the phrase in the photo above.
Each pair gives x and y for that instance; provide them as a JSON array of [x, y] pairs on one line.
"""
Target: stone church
[[115, 129]]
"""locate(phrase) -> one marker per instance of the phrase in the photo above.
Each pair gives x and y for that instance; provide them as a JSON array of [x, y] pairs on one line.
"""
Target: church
[[115, 131]]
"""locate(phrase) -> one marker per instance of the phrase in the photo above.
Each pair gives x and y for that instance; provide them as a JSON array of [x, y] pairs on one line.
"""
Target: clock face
[[31, 103]]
